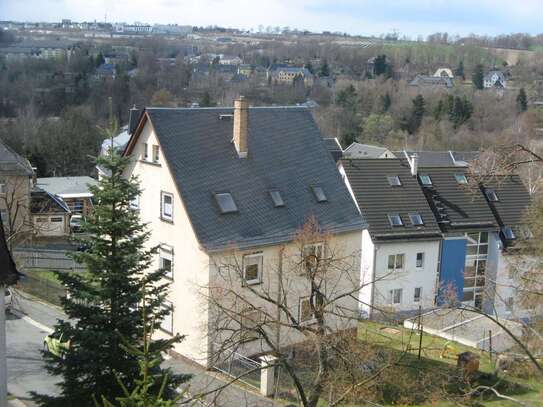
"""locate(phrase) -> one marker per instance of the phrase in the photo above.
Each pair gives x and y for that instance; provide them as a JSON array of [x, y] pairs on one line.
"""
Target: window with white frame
[[165, 260], [166, 211], [135, 203], [166, 324], [305, 313], [312, 255], [395, 296], [155, 153], [145, 152], [418, 294], [249, 323], [396, 262], [252, 268], [3, 183], [475, 266], [420, 260]]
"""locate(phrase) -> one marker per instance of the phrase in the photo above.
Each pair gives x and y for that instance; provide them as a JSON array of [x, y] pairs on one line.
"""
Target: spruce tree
[[324, 69], [103, 304], [460, 70], [522, 101], [417, 113], [478, 77]]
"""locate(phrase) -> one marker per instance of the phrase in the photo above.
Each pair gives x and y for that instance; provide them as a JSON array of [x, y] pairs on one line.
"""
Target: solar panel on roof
[[226, 203]]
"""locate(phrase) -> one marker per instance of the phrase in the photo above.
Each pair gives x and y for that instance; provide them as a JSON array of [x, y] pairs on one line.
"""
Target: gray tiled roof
[[12, 163], [377, 199], [441, 158], [464, 208], [66, 185], [513, 201], [286, 152]]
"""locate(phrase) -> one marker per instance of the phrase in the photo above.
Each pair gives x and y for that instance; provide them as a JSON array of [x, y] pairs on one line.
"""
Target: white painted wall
[[408, 279], [366, 276]]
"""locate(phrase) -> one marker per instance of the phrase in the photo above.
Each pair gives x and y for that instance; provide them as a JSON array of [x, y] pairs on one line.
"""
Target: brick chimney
[[241, 124]]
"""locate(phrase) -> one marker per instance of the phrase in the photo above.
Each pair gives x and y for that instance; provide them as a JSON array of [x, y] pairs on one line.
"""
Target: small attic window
[[416, 219], [491, 195], [319, 194], [461, 178], [226, 203], [277, 199], [508, 233], [394, 181], [395, 219], [425, 180]]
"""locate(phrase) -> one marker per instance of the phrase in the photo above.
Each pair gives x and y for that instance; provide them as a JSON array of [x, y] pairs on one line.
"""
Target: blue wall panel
[[451, 275]]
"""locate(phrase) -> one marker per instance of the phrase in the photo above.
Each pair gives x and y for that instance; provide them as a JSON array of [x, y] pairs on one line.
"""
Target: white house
[[402, 244], [358, 150], [237, 184], [495, 79], [444, 73]]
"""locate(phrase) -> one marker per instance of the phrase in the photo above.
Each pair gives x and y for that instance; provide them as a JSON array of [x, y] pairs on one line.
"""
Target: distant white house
[[495, 79], [444, 73], [358, 150]]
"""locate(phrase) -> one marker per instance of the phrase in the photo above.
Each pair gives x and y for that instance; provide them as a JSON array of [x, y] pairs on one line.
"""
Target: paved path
[[33, 320]]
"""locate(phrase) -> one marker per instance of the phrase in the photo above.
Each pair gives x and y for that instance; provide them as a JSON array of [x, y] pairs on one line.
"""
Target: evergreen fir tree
[[478, 77], [206, 100], [380, 65], [522, 101], [99, 59], [324, 69], [102, 304], [460, 70], [417, 113], [386, 102]]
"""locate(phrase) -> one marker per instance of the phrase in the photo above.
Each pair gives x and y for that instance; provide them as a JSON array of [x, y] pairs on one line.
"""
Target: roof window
[[491, 195], [395, 219], [319, 194], [226, 203], [416, 219], [461, 178], [394, 181], [277, 199], [508, 233], [425, 180]]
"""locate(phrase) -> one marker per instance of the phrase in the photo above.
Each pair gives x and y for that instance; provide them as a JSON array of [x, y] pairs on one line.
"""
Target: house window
[[56, 220], [135, 203], [418, 294], [226, 203], [41, 220], [166, 211], [4, 216], [425, 180], [3, 185], [252, 268], [155, 154], [395, 219], [508, 233], [395, 296], [312, 255], [305, 314], [416, 219], [78, 206], [249, 323], [165, 260], [396, 262], [166, 324], [394, 181], [420, 260], [491, 195], [145, 152]]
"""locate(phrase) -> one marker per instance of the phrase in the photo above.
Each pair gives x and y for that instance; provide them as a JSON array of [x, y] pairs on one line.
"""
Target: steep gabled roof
[[456, 206], [43, 202], [12, 163], [377, 199], [286, 153]]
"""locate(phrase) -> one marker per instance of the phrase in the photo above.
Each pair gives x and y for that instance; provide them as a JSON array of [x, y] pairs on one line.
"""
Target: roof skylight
[[461, 178], [395, 219], [226, 203], [394, 181], [319, 194], [425, 180], [277, 199], [491, 195], [416, 219], [508, 233]]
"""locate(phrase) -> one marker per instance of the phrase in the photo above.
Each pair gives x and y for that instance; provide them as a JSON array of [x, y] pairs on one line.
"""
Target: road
[[33, 320]]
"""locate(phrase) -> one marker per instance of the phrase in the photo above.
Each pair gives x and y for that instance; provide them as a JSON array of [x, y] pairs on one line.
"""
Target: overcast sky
[[366, 17]]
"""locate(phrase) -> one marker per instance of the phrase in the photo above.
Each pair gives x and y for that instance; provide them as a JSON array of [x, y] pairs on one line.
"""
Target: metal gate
[[236, 365]]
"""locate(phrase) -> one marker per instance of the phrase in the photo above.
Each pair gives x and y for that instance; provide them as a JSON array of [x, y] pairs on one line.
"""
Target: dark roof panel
[[286, 153], [513, 199], [377, 200]]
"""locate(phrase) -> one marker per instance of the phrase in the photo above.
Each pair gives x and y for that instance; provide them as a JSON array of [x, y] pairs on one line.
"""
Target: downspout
[[373, 280], [279, 297]]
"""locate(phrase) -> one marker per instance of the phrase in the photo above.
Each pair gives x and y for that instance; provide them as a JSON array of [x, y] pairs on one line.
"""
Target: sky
[[363, 17]]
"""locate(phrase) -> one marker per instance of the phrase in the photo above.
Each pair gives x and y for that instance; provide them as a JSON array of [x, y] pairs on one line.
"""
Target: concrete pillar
[[267, 375]]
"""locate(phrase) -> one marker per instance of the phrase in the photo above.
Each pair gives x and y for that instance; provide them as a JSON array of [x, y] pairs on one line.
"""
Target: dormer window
[[461, 178], [416, 219], [226, 203], [277, 199], [394, 181], [320, 196], [491, 195], [425, 180], [395, 219]]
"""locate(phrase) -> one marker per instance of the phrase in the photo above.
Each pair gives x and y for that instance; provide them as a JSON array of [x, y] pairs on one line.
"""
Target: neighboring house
[[400, 249], [50, 214], [106, 71], [495, 79], [74, 192], [230, 60], [16, 175], [333, 146], [444, 73], [287, 75], [357, 150], [432, 82], [222, 182], [245, 69], [440, 158], [40, 49]]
